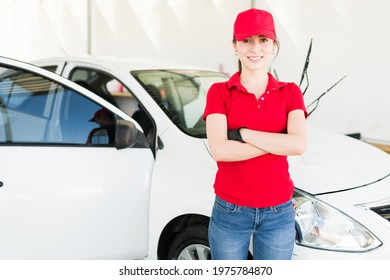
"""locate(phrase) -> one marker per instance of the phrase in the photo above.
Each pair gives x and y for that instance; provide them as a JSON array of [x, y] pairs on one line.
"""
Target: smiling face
[[255, 52]]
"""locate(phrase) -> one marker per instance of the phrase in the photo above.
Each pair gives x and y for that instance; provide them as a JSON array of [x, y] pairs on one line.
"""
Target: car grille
[[383, 211]]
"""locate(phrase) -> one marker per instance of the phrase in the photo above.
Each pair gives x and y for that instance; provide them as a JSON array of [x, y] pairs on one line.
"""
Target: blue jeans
[[232, 227]]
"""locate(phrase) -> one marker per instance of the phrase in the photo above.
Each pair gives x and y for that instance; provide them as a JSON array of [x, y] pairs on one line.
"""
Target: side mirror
[[127, 136]]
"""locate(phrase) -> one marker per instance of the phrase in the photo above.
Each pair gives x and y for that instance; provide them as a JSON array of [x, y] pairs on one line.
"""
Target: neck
[[254, 77], [254, 81]]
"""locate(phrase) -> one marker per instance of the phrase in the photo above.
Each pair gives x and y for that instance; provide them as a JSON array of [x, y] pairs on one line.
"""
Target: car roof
[[130, 63]]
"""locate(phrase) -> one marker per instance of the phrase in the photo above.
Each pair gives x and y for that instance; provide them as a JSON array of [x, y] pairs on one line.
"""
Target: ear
[[234, 44], [276, 45]]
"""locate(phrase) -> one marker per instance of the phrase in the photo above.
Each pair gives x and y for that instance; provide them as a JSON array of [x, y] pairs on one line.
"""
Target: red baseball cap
[[254, 22]]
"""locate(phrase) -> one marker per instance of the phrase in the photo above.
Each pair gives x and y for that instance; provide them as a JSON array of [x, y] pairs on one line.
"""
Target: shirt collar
[[234, 81]]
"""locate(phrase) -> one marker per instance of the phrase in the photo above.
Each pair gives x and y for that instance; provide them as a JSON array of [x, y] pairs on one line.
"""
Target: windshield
[[181, 94]]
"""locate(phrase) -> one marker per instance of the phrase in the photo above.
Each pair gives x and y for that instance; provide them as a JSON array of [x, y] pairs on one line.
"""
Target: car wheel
[[191, 244]]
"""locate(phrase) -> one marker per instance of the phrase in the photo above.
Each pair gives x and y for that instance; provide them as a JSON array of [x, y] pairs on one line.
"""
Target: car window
[[34, 109], [107, 87], [181, 94], [114, 91]]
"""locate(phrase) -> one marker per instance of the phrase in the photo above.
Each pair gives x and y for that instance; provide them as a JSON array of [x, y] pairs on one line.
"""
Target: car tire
[[192, 243]]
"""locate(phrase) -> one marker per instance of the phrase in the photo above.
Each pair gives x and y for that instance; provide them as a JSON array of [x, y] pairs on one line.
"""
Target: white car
[[141, 185]]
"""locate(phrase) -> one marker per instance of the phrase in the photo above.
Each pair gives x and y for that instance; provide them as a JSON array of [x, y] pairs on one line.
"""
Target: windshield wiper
[[305, 75], [317, 100], [304, 72]]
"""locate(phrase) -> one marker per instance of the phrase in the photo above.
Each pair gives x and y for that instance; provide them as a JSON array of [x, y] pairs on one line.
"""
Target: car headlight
[[321, 226]]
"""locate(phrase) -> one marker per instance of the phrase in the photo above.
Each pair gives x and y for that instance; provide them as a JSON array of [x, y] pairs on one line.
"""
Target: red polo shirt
[[263, 181]]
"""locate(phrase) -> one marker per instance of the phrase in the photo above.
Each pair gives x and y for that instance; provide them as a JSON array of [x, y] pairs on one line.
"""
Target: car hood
[[334, 162]]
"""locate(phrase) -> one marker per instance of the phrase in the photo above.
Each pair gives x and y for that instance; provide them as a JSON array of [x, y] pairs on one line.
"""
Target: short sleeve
[[216, 100], [297, 102]]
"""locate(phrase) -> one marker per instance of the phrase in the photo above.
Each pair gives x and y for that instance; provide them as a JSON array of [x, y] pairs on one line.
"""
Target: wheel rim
[[195, 252]]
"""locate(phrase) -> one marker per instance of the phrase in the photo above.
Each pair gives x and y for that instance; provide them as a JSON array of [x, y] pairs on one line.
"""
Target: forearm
[[228, 150], [291, 143], [275, 143], [223, 149]]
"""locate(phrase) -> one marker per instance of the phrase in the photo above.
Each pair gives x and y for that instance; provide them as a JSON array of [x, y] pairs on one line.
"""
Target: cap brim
[[262, 32]]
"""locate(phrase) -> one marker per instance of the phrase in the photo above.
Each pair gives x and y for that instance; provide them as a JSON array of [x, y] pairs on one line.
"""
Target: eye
[[263, 39], [246, 40]]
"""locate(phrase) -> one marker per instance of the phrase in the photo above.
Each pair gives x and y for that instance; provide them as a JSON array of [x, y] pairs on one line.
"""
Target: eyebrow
[[258, 36]]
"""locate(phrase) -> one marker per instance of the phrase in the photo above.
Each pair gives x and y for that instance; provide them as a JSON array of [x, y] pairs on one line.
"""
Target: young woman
[[253, 123]]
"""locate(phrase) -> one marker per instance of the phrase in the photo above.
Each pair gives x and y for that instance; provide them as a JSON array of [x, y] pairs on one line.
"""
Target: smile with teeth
[[255, 58]]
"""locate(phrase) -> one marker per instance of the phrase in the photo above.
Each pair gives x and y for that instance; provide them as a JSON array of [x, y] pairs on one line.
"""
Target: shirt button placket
[[260, 103]]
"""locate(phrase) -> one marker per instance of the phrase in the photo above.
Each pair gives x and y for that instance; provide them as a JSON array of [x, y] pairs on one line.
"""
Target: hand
[[234, 134]]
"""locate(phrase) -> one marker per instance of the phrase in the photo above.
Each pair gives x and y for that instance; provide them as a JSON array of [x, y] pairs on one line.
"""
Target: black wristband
[[234, 134]]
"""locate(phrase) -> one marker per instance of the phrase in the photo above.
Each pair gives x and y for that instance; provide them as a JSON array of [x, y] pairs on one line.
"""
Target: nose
[[257, 47]]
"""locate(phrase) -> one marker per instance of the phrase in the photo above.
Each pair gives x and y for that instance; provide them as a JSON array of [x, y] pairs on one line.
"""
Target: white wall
[[349, 38], [186, 30]]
